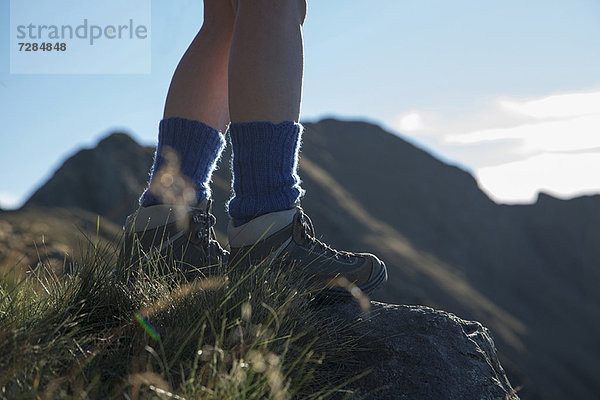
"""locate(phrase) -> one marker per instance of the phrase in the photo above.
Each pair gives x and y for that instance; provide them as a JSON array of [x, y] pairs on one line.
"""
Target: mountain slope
[[106, 180], [527, 272], [475, 258]]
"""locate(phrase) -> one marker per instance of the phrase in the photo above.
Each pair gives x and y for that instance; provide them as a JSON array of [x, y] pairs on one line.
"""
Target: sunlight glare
[[410, 122]]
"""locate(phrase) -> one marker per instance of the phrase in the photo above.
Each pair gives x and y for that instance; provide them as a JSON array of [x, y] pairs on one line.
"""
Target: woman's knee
[[296, 8]]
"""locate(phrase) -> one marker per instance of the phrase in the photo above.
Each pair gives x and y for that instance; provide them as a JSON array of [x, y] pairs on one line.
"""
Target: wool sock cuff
[[190, 149], [265, 163]]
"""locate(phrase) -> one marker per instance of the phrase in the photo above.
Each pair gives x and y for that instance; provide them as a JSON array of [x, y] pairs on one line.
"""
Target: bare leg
[[198, 89], [266, 60]]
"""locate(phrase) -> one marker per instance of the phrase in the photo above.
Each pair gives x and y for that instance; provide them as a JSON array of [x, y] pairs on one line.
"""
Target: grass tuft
[[251, 334]]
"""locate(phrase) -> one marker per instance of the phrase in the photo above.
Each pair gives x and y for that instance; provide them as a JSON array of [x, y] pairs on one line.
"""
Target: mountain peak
[[117, 139], [543, 197], [105, 180]]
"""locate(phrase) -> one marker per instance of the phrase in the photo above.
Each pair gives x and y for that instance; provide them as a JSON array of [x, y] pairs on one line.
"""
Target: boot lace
[[308, 234], [201, 224]]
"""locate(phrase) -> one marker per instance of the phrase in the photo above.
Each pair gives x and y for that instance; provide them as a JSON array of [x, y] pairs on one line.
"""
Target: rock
[[416, 352]]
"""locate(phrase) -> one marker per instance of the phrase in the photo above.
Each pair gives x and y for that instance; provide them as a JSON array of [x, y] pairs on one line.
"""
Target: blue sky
[[509, 90]]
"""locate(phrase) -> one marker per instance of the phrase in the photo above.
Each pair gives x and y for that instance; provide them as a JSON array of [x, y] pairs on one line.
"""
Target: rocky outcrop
[[415, 352]]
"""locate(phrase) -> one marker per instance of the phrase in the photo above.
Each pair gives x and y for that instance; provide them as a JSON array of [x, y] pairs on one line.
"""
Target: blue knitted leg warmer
[[186, 156], [265, 163]]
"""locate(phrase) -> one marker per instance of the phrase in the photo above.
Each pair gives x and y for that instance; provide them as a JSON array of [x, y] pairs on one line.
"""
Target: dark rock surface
[[416, 352]]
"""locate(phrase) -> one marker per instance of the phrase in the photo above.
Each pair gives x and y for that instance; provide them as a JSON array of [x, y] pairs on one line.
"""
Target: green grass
[[93, 334]]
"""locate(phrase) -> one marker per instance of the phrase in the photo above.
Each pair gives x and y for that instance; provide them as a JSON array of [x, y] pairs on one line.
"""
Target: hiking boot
[[171, 238], [287, 237]]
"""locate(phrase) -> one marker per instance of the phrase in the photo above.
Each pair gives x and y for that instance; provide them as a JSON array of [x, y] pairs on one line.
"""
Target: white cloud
[[517, 147], [561, 175], [410, 122], [556, 106], [567, 134], [9, 200]]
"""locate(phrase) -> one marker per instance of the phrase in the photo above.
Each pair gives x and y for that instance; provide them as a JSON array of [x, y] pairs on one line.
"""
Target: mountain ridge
[[446, 243]]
